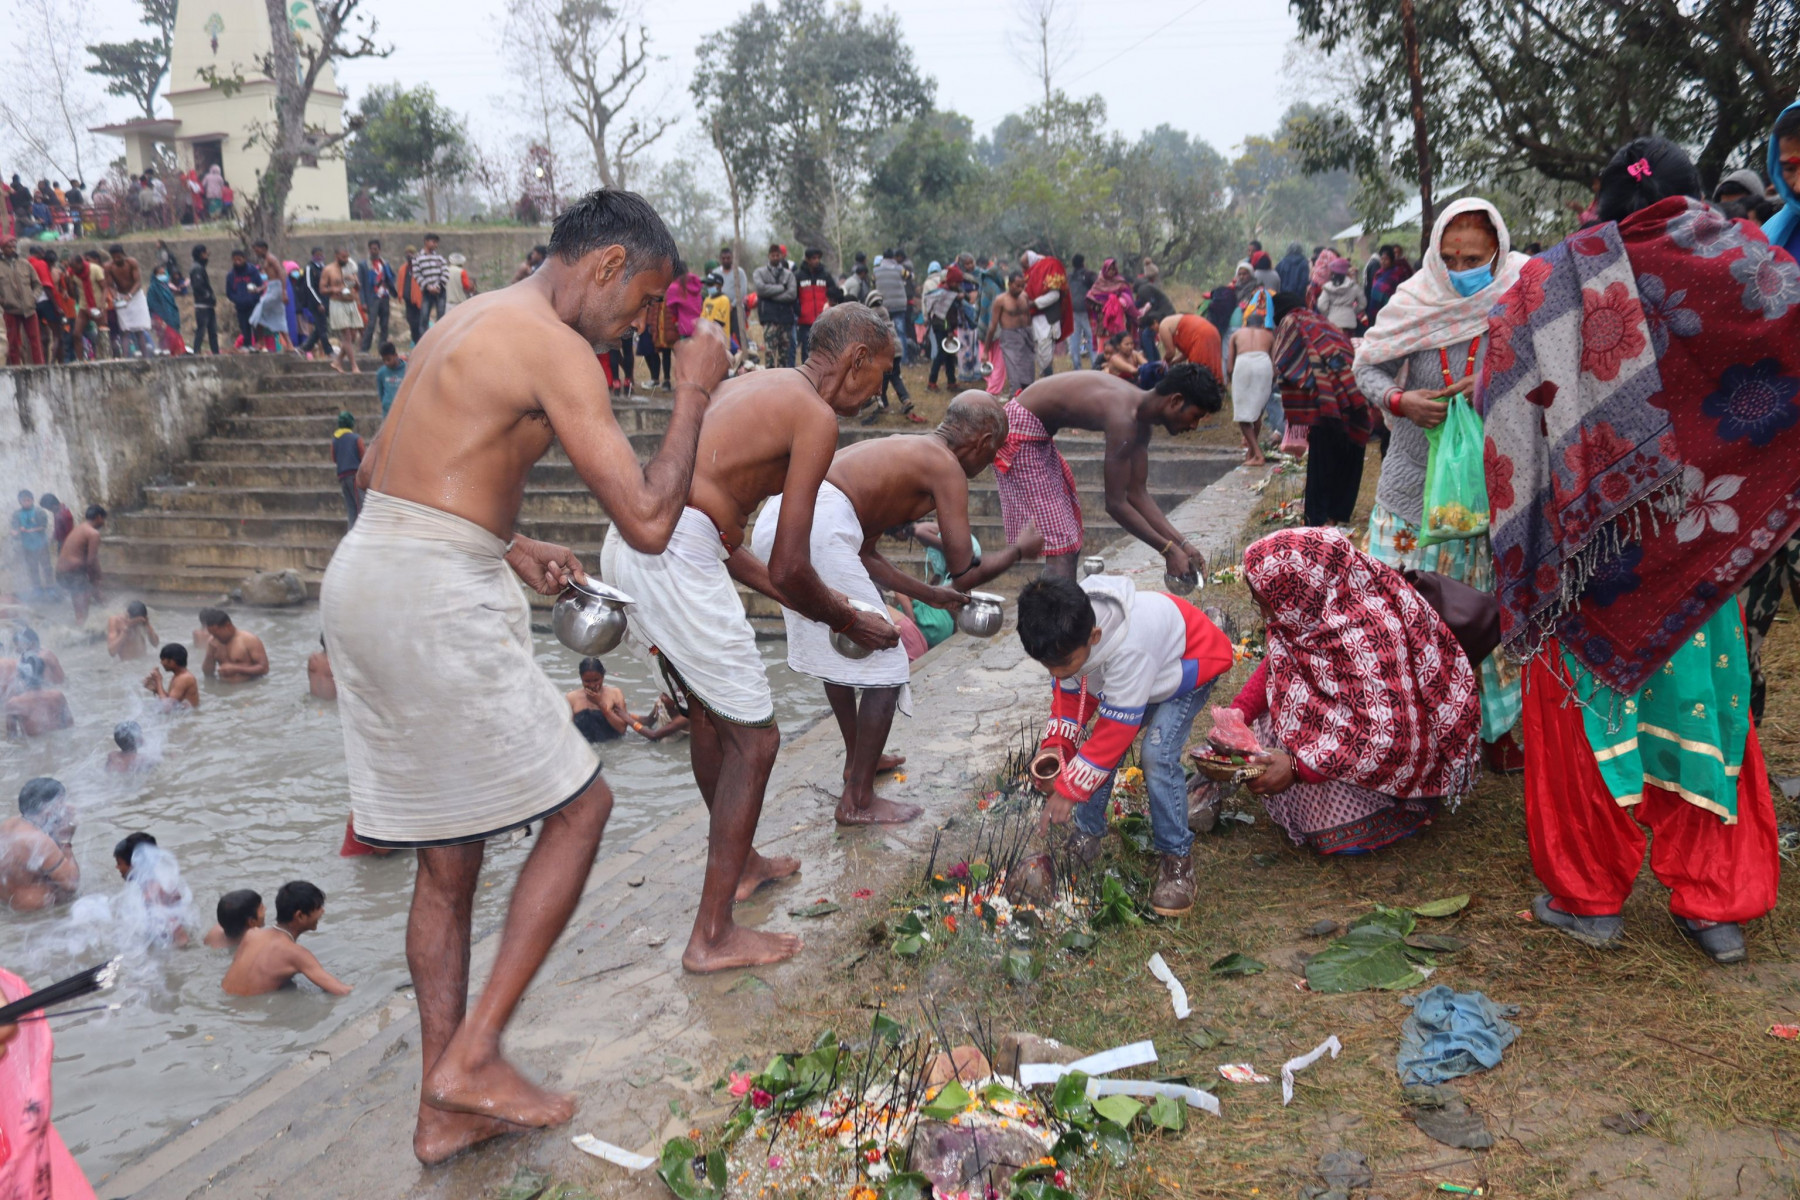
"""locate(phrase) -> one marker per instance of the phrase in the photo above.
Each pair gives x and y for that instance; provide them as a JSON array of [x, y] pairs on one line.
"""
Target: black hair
[[259, 244], [39, 794], [95, 510], [1079, 261], [609, 217], [1668, 171], [116, 248], [375, 242], [199, 251], [775, 248], [1193, 383], [239, 252], [297, 897], [678, 267], [1787, 125], [843, 326], [31, 672], [1285, 303], [432, 237], [128, 735], [388, 348], [24, 492], [26, 638], [593, 665], [812, 250], [213, 616], [1056, 618], [1019, 275], [175, 652], [236, 910], [136, 609], [594, 727], [49, 500], [127, 846]]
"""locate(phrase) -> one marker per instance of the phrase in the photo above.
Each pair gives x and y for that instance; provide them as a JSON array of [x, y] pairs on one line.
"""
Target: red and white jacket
[[1153, 647]]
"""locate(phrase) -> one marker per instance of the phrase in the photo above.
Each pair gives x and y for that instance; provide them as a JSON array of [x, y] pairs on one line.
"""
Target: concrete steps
[[260, 491]]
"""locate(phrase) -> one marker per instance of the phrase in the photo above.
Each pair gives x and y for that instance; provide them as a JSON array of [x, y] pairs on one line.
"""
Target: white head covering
[[1427, 311]]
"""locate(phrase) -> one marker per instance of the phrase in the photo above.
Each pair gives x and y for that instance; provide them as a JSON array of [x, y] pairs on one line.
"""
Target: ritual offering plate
[[1226, 768]]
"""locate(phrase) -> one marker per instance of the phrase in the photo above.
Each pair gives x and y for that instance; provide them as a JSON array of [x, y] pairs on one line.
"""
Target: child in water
[[152, 871], [128, 736], [182, 687], [238, 913], [268, 959]]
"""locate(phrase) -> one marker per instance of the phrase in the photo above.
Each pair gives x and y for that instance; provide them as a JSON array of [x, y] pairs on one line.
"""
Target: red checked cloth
[[1035, 482]]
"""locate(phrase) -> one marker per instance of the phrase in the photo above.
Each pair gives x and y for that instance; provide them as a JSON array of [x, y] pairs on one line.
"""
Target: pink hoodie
[[683, 298]]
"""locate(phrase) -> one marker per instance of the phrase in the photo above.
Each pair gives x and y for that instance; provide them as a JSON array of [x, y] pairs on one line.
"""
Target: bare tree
[[591, 57], [49, 100], [1044, 41]]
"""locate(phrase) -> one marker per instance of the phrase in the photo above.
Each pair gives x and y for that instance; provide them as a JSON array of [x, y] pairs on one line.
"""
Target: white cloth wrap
[[452, 732], [837, 538], [687, 609], [270, 313], [345, 315], [1252, 378], [134, 313]]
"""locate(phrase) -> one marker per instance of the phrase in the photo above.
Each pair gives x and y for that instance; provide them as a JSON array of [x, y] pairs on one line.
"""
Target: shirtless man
[[238, 913], [182, 687], [872, 487], [37, 863], [78, 566], [1036, 484], [130, 634], [1010, 325], [268, 959], [232, 654], [319, 681], [769, 432], [25, 643], [35, 708], [596, 695], [501, 377], [1252, 374]]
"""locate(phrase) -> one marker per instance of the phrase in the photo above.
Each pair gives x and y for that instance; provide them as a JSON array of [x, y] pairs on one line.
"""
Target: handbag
[[1472, 614]]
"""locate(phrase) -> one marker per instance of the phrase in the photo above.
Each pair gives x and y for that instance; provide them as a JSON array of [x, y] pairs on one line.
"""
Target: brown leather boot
[[1173, 895]]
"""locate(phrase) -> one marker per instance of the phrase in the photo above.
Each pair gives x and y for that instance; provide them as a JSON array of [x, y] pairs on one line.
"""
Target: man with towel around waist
[[874, 486], [1036, 483], [433, 563], [766, 432]]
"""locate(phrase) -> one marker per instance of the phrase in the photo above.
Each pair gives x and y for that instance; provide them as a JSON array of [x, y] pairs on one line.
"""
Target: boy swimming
[[238, 913], [268, 959], [182, 687]]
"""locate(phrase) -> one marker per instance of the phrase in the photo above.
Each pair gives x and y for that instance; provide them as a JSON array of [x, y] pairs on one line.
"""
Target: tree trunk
[[268, 216], [1409, 24]]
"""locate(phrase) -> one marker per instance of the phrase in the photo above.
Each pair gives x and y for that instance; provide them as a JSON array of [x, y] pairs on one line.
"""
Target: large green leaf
[[1448, 906], [1041, 1189], [1112, 1141], [1234, 964], [1400, 920], [909, 1185], [1020, 967], [949, 1101], [1166, 1112], [1120, 1110], [679, 1157], [1366, 957], [1069, 1099]]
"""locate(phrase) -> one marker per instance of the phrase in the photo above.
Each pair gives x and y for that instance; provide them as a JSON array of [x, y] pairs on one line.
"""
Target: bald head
[[972, 416]]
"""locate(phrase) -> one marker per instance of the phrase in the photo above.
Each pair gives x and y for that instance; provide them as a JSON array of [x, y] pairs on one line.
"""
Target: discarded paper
[[1144, 1087], [1294, 1066], [1104, 1063], [587, 1143], [1241, 1073], [1177, 993]]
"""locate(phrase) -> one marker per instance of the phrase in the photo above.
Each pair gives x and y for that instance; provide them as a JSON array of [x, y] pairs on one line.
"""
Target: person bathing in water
[[140, 861], [182, 687], [35, 708], [37, 862], [232, 654], [130, 634], [128, 736], [238, 913], [319, 680], [268, 959]]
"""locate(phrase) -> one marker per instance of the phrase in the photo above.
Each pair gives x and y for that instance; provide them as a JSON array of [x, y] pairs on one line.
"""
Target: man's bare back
[[35, 872], [1251, 339], [757, 425], [81, 550], [268, 959]]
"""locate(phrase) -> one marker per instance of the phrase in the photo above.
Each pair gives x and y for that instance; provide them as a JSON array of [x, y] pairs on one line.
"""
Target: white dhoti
[[688, 614], [345, 315], [837, 538], [1043, 343], [1252, 377], [134, 313], [452, 732]]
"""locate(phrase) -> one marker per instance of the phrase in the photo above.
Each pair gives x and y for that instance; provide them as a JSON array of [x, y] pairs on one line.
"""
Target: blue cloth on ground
[[1451, 1034]]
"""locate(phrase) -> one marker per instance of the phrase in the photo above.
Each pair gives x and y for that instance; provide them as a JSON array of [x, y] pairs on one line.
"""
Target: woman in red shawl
[[1112, 285], [1367, 702]]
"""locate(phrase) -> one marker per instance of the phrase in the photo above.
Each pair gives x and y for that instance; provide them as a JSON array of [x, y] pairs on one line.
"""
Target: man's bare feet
[[759, 870], [884, 764], [493, 1088], [879, 812], [441, 1135], [738, 947]]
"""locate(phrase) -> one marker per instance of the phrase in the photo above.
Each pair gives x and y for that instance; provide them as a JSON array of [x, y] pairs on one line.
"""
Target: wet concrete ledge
[[612, 1016]]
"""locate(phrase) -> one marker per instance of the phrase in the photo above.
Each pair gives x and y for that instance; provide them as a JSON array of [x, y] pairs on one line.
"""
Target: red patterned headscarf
[[1367, 685]]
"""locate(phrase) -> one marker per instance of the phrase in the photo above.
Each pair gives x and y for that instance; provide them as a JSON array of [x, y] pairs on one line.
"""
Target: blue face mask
[[1467, 283]]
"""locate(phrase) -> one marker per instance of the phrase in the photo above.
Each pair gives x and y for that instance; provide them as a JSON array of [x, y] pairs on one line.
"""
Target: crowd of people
[[53, 210]]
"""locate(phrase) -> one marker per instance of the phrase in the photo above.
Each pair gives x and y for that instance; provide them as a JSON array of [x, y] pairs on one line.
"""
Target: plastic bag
[[1456, 499], [1294, 439], [1231, 734]]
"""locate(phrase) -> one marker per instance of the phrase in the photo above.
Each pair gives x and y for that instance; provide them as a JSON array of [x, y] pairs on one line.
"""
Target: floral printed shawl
[[1366, 683], [1642, 452]]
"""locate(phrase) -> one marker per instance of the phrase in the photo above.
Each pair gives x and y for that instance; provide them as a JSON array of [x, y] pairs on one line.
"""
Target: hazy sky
[[1154, 61]]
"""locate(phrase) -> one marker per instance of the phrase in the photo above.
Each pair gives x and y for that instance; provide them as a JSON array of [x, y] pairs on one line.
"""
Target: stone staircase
[[260, 492]]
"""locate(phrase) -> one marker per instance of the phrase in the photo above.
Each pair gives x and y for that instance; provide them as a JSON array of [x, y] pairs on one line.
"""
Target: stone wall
[[96, 433]]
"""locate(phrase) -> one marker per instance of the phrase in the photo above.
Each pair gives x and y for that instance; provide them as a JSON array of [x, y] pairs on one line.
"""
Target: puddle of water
[[251, 793]]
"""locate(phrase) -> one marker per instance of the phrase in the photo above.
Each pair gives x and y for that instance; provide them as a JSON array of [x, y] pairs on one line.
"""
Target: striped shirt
[[432, 270]]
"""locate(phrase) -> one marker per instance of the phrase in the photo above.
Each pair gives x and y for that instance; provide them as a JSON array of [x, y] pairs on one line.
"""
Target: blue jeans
[[1082, 341], [1275, 416], [907, 353], [1167, 727]]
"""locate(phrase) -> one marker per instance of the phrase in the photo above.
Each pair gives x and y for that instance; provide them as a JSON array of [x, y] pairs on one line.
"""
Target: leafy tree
[[135, 69], [797, 97], [1172, 206], [406, 139], [688, 209], [928, 192]]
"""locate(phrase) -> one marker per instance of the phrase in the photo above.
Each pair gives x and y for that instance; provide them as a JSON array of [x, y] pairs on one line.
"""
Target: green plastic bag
[[1456, 499]]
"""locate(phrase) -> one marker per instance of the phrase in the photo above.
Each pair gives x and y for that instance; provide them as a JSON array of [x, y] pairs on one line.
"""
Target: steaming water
[[249, 792]]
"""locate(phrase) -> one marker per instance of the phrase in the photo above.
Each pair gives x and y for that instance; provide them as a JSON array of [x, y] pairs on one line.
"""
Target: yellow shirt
[[717, 309]]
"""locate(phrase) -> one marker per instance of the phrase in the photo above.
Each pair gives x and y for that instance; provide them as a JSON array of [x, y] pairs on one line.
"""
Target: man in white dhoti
[[766, 432], [874, 486], [440, 763]]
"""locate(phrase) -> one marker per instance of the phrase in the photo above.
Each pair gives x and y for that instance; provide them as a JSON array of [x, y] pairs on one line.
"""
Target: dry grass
[[1652, 1026]]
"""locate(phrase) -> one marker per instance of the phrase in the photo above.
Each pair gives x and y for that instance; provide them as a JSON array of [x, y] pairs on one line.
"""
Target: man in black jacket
[[776, 295], [206, 315], [818, 291], [312, 298]]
